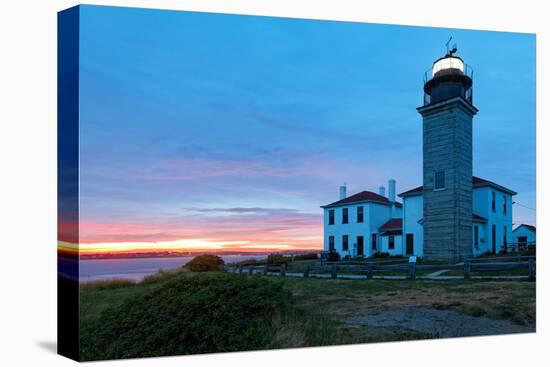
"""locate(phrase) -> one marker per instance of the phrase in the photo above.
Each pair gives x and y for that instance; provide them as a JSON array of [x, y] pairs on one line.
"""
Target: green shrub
[[475, 311], [381, 255], [249, 262], [277, 259], [311, 256], [189, 314], [205, 263], [333, 256]]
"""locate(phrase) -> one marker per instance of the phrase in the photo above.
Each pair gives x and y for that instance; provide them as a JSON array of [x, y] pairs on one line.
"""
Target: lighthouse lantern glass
[[448, 63]]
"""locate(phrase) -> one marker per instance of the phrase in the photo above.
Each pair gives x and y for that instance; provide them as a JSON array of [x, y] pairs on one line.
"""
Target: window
[[345, 242], [331, 243], [493, 201], [373, 241], [505, 237], [504, 204], [391, 242], [359, 214], [345, 215], [439, 180], [331, 216]]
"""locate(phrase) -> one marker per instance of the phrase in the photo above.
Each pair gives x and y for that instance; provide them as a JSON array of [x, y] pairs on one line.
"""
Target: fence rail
[[370, 269]]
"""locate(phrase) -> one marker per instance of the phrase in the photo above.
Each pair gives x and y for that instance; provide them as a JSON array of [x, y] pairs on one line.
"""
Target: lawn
[[309, 312]]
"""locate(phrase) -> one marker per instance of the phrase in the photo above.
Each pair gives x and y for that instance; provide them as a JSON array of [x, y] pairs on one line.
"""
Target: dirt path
[[439, 323]]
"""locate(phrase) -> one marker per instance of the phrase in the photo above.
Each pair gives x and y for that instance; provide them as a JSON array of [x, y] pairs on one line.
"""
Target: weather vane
[[453, 50]]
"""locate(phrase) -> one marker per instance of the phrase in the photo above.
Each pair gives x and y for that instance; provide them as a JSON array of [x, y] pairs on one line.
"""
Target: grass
[[348, 298], [292, 312], [506, 272], [106, 284]]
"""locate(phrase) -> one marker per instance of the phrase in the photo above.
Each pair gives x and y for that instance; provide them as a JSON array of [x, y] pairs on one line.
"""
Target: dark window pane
[[359, 214], [439, 180], [345, 215], [345, 243]]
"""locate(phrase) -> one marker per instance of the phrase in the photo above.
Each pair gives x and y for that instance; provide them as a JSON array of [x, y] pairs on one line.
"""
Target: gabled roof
[[394, 223], [476, 182], [363, 197], [478, 218], [480, 182], [412, 192], [528, 226], [392, 227]]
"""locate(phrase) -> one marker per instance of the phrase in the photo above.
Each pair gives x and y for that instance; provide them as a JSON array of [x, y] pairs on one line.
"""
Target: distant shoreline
[[143, 255]]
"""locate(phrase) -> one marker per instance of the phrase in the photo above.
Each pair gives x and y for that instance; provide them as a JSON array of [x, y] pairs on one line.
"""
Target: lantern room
[[449, 77]]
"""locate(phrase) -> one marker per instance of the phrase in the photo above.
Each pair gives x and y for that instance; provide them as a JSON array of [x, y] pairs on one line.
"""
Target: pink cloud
[[294, 230]]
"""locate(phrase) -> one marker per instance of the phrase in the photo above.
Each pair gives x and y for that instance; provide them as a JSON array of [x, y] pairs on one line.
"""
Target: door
[[373, 242], [360, 249], [522, 242], [494, 238], [410, 243]]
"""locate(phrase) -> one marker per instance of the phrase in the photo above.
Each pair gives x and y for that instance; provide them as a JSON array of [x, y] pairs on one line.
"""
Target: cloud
[[253, 226], [249, 211], [183, 169]]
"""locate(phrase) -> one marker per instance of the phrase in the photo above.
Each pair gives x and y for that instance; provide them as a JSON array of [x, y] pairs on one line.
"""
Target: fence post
[[532, 269], [412, 271], [333, 272], [370, 270], [251, 270], [283, 270], [467, 269], [306, 271], [240, 269], [265, 269]]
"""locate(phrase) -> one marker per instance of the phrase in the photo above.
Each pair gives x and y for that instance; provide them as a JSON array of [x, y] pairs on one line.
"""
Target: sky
[[215, 132]]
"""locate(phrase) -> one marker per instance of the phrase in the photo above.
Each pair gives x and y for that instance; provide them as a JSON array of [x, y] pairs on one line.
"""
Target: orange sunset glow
[[288, 234]]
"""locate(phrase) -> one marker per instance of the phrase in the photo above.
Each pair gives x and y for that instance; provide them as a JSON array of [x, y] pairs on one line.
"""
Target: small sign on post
[[412, 267]]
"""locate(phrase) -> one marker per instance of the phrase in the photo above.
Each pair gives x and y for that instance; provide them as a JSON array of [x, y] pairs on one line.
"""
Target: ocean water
[[136, 269]]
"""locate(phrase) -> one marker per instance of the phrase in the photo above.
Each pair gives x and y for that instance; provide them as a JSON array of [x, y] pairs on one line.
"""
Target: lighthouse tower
[[447, 116]]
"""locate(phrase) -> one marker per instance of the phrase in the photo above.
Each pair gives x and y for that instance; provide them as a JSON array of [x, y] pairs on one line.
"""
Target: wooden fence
[[370, 269]]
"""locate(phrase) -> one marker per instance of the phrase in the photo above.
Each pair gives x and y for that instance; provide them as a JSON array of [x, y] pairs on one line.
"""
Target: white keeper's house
[[365, 223], [453, 215], [362, 224]]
